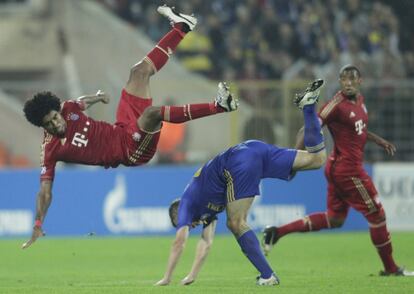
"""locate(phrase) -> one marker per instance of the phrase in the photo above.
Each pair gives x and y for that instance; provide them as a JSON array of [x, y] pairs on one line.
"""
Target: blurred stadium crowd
[[267, 49], [293, 40], [275, 39]]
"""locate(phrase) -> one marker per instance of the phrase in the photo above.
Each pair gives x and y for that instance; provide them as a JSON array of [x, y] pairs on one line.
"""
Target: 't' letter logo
[[79, 140]]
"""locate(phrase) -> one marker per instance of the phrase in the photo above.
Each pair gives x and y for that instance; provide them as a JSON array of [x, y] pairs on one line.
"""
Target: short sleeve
[[47, 172], [185, 214], [329, 111], [47, 161]]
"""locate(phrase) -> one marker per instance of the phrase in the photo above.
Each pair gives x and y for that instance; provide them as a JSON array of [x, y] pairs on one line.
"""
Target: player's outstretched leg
[[152, 117], [138, 83], [313, 136], [224, 102], [314, 144], [182, 24], [310, 223]]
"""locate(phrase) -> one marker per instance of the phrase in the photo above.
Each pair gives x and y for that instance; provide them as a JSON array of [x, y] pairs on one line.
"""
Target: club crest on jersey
[[136, 136], [73, 116]]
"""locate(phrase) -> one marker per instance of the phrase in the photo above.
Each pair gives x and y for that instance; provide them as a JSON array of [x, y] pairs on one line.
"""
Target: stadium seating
[[316, 32]]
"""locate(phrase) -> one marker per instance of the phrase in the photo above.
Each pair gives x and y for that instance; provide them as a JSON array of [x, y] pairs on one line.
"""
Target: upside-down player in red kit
[[71, 136], [349, 185]]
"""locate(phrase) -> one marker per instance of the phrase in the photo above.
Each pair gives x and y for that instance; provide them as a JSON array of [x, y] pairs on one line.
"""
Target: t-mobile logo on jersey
[[79, 140], [359, 126]]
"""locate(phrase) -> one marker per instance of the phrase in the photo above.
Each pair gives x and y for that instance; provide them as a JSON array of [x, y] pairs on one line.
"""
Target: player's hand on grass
[[37, 232], [104, 97], [163, 282], [187, 280]]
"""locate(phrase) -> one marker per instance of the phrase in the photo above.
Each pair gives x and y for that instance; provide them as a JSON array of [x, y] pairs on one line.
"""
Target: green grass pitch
[[305, 263]]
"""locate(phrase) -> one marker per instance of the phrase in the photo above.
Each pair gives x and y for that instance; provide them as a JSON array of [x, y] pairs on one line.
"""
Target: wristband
[[38, 223]]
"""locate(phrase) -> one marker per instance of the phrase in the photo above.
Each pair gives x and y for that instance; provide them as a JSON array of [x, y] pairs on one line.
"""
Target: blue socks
[[251, 248], [313, 134]]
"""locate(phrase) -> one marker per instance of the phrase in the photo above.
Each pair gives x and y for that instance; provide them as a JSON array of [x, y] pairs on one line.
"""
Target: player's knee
[[208, 244], [150, 120], [336, 222], [235, 225], [376, 217], [151, 115], [140, 72]]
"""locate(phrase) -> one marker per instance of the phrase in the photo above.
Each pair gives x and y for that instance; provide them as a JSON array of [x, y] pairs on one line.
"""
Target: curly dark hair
[[40, 105], [173, 211]]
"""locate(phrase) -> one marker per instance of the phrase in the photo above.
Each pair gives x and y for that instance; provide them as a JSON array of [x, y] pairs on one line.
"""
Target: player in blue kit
[[230, 181]]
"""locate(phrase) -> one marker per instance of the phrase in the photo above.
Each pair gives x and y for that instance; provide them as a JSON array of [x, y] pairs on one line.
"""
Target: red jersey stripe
[[330, 106]]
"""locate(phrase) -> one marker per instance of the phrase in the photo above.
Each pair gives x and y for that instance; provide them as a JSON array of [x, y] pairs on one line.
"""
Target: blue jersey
[[231, 175]]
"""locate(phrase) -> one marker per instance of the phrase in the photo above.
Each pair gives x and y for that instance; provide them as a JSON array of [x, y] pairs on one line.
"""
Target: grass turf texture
[[305, 263]]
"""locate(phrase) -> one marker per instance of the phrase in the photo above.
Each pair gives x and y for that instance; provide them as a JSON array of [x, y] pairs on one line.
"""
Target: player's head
[[350, 80], [173, 211], [43, 110]]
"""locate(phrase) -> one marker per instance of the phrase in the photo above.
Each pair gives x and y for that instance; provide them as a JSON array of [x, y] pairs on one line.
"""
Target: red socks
[[312, 222], [382, 241], [179, 114], [158, 57], [379, 235]]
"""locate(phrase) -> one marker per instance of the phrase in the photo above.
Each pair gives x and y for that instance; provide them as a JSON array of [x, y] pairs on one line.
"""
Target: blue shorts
[[238, 175], [247, 166]]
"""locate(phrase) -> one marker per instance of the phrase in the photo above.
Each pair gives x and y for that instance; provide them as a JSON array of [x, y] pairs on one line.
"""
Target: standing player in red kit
[[349, 185], [71, 136]]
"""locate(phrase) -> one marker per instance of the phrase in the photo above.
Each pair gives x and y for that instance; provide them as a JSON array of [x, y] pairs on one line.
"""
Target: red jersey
[[347, 122], [88, 142]]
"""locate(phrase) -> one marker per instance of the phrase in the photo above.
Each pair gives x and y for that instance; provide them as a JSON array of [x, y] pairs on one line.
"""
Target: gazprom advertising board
[[134, 201]]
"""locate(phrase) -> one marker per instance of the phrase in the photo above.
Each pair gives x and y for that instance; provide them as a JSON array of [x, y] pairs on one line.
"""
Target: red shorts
[[140, 145], [356, 191]]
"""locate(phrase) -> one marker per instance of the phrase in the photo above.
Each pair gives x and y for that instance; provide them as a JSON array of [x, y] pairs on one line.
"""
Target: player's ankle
[[182, 27]]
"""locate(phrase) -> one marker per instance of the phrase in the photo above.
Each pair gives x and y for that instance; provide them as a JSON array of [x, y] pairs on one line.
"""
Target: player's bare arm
[[44, 198], [89, 100], [175, 254], [202, 251], [388, 146]]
